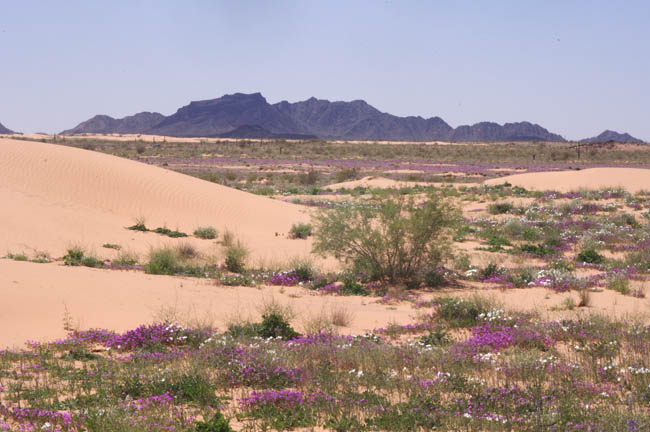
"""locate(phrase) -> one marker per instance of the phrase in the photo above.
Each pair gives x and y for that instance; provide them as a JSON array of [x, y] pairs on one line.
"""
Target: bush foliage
[[395, 240]]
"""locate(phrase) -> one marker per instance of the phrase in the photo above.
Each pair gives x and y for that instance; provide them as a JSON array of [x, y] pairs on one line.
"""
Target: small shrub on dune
[[341, 317], [187, 251], [163, 261], [275, 326], [76, 257], [227, 238], [236, 256], [139, 226], [304, 270], [590, 256], [125, 258], [300, 231], [218, 423], [206, 232], [619, 284], [169, 233], [17, 257], [500, 208]]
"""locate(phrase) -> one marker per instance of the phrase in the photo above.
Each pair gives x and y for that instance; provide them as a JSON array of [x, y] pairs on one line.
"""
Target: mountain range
[[612, 136], [251, 116], [4, 130]]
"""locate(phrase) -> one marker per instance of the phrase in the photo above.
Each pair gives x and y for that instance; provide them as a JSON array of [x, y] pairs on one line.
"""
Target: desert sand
[[37, 297], [374, 182], [631, 179], [58, 196]]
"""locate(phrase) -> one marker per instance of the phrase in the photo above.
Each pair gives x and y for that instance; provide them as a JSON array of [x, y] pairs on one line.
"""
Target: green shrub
[[236, 255], [539, 250], [463, 312], [436, 337], [139, 226], [218, 423], [73, 257], [590, 256], [300, 231], [394, 240], [112, 246], [520, 278], [305, 270], [500, 208], [17, 257], [126, 258], [275, 326], [206, 232], [169, 233], [91, 261], [640, 260], [490, 270], [76, 257], [163, 261], [433, 278]]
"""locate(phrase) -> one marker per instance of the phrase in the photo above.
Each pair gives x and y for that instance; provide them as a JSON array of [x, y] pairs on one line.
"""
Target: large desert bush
[[396, 240]]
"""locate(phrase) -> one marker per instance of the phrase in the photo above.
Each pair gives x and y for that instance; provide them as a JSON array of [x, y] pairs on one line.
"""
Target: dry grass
[[272, 306]]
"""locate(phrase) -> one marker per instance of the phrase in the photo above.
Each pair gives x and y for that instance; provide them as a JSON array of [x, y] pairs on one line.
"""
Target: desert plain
[[118, 260]]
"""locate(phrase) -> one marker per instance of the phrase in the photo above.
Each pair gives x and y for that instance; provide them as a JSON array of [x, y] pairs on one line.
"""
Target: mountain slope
[[214, 117], [4, 130], [361, 121], [488, 131], [135, 124], [258, 132], [613, 136]]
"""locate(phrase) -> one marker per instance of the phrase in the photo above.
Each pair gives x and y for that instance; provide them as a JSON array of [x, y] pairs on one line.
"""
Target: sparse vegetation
[[300, 231], [206, 232], [77, 256], [236, 255]]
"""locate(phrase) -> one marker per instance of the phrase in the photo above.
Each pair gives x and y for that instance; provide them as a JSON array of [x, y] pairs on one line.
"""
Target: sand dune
[[55, 196], [631, 179], [374, 182], [36, 297]]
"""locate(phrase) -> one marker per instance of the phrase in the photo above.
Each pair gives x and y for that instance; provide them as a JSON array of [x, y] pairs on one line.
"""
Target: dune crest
[[56, 196]]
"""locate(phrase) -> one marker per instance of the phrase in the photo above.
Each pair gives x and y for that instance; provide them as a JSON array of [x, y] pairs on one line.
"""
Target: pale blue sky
[[575, 67]]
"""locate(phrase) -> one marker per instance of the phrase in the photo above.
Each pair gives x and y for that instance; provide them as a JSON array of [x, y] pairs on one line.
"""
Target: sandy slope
[[35, 298], [54, 196], [374, 182], [632, 179]]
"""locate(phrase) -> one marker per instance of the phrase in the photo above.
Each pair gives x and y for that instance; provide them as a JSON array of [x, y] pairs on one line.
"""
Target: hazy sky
[[575, 67]]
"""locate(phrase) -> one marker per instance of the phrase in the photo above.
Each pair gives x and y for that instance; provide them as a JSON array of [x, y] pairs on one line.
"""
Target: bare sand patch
[[35, 298], [374, 182], [631, 179]]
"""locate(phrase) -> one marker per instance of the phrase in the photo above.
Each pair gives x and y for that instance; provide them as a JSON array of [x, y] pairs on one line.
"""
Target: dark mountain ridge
[[242, 115], [103, 124], [613, 136], [4, 130]]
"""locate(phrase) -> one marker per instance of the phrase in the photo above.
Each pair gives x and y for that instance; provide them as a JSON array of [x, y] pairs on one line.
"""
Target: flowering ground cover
[[465, 366]]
